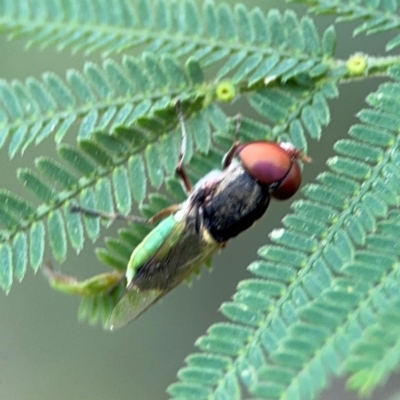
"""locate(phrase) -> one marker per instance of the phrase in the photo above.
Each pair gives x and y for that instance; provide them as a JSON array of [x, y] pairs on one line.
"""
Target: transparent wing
[[130, 306], [174, 260], [135, 302]]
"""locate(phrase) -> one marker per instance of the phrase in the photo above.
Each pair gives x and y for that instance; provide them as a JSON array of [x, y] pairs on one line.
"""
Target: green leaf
[[92, 225], [232, 62], [36, 185], [240, 313], [59, 90], [294, 31], [95, 152], [199, 375], [74, 229], [218, 345], [188, 391], [57, 236], [17, 140], [20, 256], [264, 68], [6, 270], [56, 172], [137, 178], [76, 160], [154, 166], [36, 245], [121, 190], [10, 101]]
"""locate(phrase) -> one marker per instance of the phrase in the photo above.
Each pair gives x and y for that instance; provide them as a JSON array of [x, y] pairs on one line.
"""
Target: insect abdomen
[[148, 247]]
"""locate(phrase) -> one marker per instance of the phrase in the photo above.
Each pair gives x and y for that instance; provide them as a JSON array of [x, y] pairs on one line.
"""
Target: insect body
[[219, 207]]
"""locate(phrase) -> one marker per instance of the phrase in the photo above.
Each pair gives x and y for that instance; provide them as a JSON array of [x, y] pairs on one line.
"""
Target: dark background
[[46, 354]]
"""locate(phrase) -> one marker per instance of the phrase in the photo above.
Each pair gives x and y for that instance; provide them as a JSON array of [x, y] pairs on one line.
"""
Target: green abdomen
[[150, 245]]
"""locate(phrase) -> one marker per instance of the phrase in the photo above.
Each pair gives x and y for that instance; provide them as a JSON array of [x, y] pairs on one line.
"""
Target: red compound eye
[[272, 163], [290, 184]]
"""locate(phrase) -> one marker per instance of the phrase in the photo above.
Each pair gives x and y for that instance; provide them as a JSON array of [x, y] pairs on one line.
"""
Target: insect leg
[[164, 213], [229, 155], [180, 170], [110, 216]]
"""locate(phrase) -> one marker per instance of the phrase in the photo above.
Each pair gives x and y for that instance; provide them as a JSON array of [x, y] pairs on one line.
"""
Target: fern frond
[[331, 271], [99, 98], [378, 16], [250, 41]]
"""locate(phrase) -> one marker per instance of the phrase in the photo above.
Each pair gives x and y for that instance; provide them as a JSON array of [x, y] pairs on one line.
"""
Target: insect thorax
[[236, 202]]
